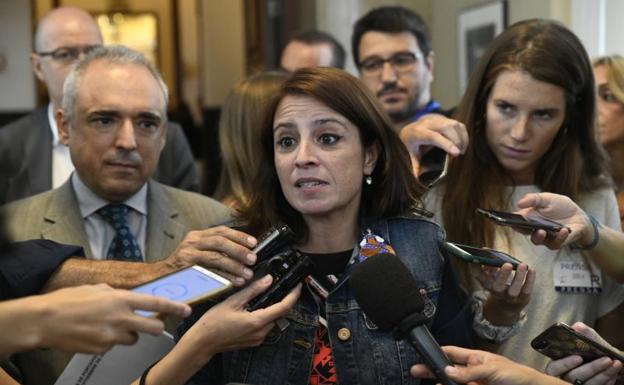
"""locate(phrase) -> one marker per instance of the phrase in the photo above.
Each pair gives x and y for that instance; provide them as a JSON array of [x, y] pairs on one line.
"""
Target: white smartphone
[[190, 285]]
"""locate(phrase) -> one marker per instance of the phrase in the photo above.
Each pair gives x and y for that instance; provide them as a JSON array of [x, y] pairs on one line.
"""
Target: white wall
[[445, 42], [598, 24], [17, 83]]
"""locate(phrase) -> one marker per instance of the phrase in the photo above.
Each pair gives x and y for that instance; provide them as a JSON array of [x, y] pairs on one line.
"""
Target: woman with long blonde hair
[[609, 74]]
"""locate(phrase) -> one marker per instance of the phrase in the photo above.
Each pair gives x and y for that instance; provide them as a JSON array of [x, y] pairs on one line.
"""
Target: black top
[[331, 263], [25, 267]]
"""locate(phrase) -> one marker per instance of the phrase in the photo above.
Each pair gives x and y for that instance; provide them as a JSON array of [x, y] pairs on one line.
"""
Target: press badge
[[577, 277]]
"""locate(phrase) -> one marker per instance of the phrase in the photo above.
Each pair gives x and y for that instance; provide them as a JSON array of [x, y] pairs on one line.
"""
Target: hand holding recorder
[[483, 368], [222, 249]]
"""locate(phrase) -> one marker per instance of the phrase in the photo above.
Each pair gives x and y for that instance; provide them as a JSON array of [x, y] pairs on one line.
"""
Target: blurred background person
[[608, 252], [609, 73], [239, 135], [34, 157], [113, 119], [529, 110], [392, 50], [333, 169], [312, 48]]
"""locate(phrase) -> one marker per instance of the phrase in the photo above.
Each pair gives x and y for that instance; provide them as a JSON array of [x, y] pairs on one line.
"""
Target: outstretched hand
[[477, 367], [433, 130], [92, 319], [510, 291], [562, 209], [220, 248]]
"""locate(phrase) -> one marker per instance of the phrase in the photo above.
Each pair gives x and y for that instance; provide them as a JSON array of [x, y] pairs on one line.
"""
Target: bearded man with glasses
[[392, 50], [30, 149]]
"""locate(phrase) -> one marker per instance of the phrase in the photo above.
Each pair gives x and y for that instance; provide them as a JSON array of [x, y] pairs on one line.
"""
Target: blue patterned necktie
[[124, 246]]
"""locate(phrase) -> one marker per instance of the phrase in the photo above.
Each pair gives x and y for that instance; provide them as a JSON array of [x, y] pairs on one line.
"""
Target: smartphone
[[482, 256], [191, 285], [560, 341], [436, 166], [521, 221]]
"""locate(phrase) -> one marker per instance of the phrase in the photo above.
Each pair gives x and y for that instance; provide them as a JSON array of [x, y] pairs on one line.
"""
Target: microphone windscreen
[[385, 290]]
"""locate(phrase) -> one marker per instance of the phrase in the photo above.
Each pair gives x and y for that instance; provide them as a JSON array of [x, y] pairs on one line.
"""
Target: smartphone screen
[[560, 341], [481, 256], [189, 285], [517, 220]]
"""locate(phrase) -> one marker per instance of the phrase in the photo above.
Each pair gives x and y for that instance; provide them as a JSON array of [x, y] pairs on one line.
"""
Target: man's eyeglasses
[[401, 62], [68, 54]]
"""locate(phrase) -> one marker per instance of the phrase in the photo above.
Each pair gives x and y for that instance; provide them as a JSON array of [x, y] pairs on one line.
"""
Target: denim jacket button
[[344, 334]]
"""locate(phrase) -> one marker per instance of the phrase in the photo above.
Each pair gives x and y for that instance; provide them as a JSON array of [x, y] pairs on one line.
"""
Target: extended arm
[[218, 248], [608, 253], [227, 326]]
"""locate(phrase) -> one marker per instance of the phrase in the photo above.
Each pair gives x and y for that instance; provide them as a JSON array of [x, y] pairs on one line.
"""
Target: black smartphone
[[521, 221], [560, 341], [481, 256], [435, 167]]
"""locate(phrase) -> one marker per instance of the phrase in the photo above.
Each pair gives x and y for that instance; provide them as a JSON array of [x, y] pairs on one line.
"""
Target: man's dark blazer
[[26, 158]]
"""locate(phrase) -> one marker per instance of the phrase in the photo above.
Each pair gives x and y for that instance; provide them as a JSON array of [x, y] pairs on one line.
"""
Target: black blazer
[[26, 158]]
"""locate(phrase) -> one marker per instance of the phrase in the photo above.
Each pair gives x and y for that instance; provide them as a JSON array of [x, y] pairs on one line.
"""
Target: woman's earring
[[368, 180]]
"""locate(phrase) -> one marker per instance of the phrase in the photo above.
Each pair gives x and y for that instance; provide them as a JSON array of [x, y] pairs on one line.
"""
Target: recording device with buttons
[[286, 265]]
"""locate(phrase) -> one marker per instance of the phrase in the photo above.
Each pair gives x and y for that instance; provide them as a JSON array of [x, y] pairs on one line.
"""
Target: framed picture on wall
[[477, 26]]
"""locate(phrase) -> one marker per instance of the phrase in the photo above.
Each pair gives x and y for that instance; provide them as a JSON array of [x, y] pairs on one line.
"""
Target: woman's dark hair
[[574, 164], [394, 189]]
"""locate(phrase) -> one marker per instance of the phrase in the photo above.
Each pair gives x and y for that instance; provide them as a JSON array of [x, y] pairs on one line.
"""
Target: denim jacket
[[367, 355]]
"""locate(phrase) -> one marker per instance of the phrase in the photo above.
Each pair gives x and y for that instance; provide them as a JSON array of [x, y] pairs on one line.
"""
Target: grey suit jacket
[[55, 215], [26, 158]]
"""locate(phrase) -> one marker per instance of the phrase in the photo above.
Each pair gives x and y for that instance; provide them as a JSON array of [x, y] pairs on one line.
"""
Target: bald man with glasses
[[32, 157]]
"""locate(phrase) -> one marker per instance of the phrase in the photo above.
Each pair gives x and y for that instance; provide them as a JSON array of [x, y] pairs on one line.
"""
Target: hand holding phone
[[190, 285], [530, 222], [509, 280], [482, 256], [560, 340]]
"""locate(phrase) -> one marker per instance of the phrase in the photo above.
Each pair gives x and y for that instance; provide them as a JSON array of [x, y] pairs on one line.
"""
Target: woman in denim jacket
[[335, 171]]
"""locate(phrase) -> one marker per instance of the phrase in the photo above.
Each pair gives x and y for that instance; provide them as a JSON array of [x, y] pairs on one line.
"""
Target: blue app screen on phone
[[182, 286]]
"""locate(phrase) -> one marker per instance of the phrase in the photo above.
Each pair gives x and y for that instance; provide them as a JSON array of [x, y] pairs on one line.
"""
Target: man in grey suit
[[32, 157], [113, 119]]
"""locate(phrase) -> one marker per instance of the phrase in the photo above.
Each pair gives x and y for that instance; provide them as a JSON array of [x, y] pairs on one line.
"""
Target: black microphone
[[388, 294]]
